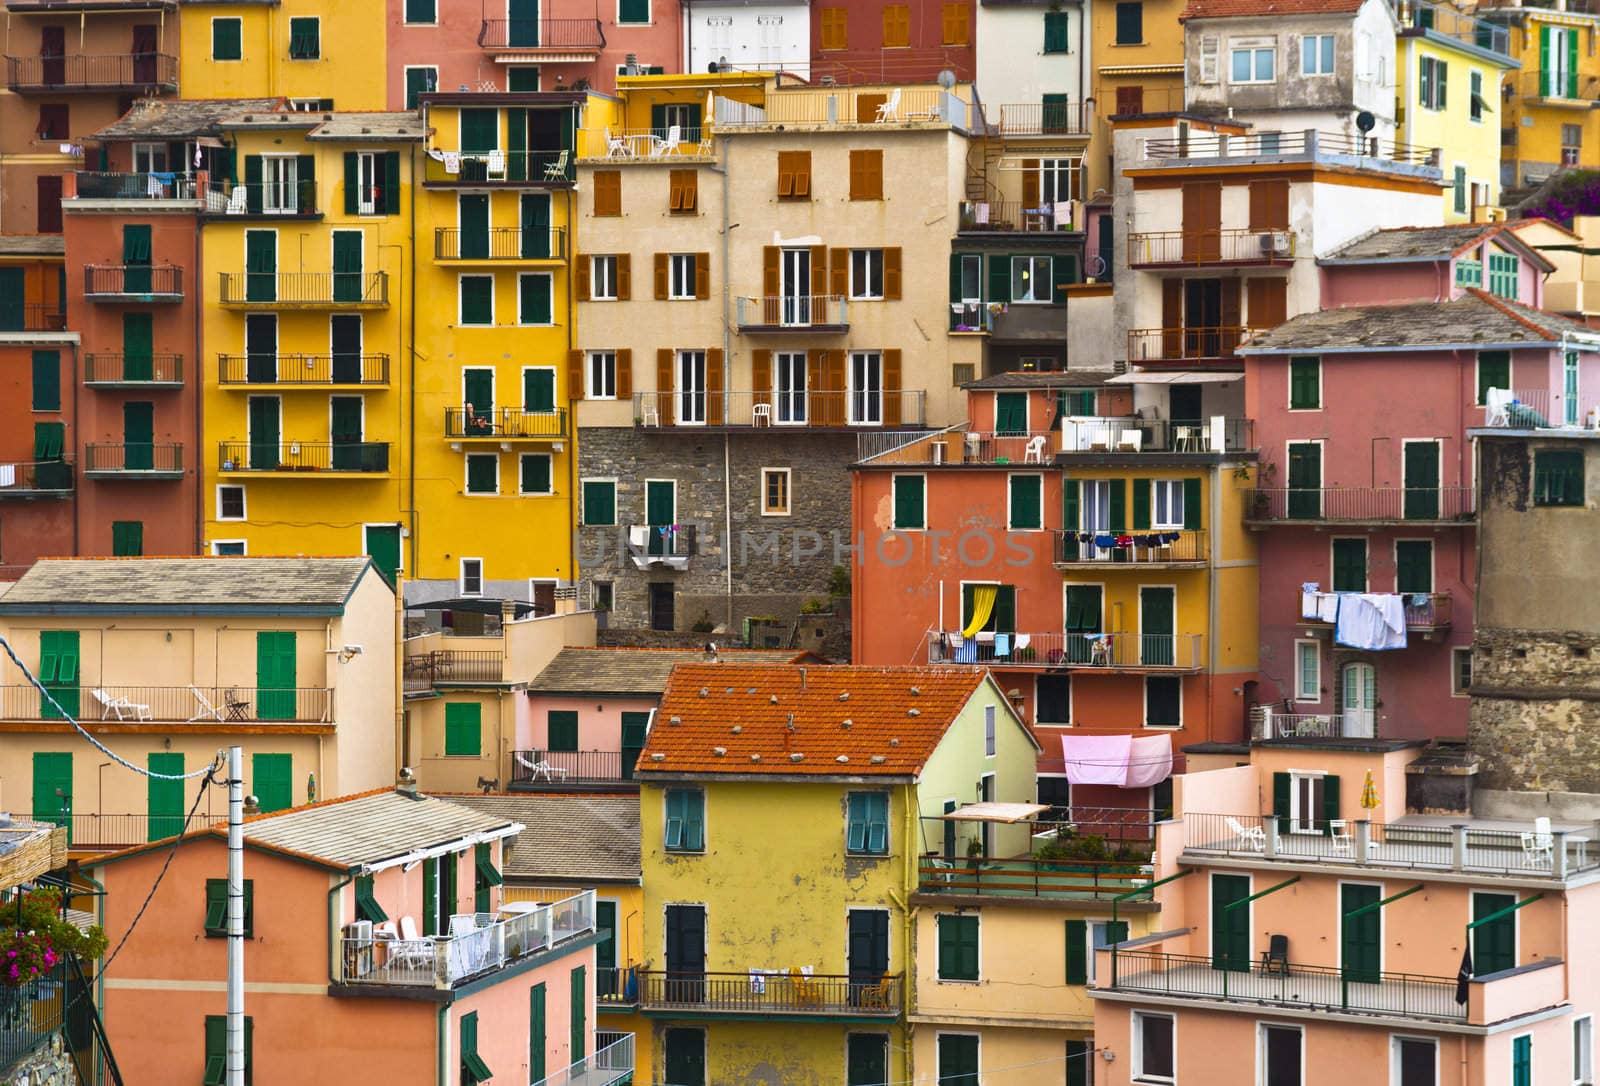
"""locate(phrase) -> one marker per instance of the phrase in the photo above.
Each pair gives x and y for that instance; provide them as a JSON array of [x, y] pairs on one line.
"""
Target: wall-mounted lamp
[[349, 652]]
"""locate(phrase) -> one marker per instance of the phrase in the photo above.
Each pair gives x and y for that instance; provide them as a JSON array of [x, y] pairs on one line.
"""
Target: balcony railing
[[1083, 433], [504, 422], [659, 542], [1040, 118], [117, 370], [34, 317], [308, 457], [1361, 504], [500, 243], [1421, 847], [1198, 248], [111, 832], [979, 877], [1451, 22], [979, 216], [133, 459], [568, 766], [1348, 724], [798, 409], [173, 704], [36, 479], [108, 71], [294, 197], [423, 670], [1554, 86], [780, 991], [1541, 409], [480, 943], [1308, 144], [315, 370], [1305, 987], [1423, 610], [100, 185], [122, 282], [849, 106], [1186, 345], [543, 167], [1131, 651], [612, 1062], [1157, 546], [970, 317], [622, 145], [33, 1014], [795, 313], [324, 290], [566, 35]]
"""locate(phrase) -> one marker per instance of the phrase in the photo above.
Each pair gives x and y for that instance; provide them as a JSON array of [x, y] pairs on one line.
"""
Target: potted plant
[[974, 853]]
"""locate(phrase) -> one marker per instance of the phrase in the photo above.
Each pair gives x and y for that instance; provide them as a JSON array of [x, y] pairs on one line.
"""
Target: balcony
[[1160, 548], [499, 243], [611, 1063], [1425, 612], [319, 371], [305, 290], [305, 458], [283, 198], [802, 410], [1187, 348], [381, 960], [1348, 724], [1361, 505], [524, 169], [533, 768], [134, 705], [582, 38], [778, 992], [669, 545], [505, 424], [1540, 409], [123, 283], [103, 369], [624, 145], [130, 73], [36, 479], [970, 318], [1211, 248], [1420, 846], [1161, 437], [108, 460], [849, 107], [33, 317], [114, 832], [139, 188], [1444, 21], [1552, 88], [815, 313], [1131, 652], [969, 876], [1040, 119], [984, 216], [1308, 145], [441, 667]]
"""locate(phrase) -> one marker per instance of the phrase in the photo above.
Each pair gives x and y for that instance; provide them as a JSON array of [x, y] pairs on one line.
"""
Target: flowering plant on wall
[[1570, 193], [35, 936], [25, 956]]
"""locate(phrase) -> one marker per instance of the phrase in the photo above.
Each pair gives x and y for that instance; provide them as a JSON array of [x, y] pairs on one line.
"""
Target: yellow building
[[1450, 69], [782, 812], [319, 55], [308, 250], [1138, 68], [494, 437], [1546, 121]]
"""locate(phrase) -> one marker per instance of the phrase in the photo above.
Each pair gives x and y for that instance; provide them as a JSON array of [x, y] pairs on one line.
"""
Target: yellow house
[[308, 250], [1451, 66], [782, 811], [321, 56], [495, 456], [1138, 68], [1545, 120], [167, 660]]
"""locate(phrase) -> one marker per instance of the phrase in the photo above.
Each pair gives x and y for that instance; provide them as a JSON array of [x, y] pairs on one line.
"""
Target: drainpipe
[[727, 388], [77, 425], [1215, 547], [572, 407], [444, 1043], [410, 408], [199, 379], [333, 924]]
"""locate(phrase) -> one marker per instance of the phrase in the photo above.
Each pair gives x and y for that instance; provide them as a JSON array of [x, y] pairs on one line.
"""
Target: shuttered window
[[473, 1069], [1305, 384], [1558, 477], [1027, 503], [535, 475], [600, 503], [794, 175], [216, 922], [958, 947], [683, 197], [1413, 565], [957, 24], [226, 39], [127, 538], [367, 907], [305, 38], [866, 174], [216, 1041], [483, 473], [47, 380], [607, 192], [832, 28], [685, 829], [477, 299], [1494, 371], [1055, 32], [896, 26], [910, 505], [867, 823], [1350, 565], [1130, 26], [463, 727], [535, 291]]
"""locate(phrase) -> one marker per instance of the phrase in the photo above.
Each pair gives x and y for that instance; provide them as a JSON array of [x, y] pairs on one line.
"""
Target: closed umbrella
[[1369, 794]]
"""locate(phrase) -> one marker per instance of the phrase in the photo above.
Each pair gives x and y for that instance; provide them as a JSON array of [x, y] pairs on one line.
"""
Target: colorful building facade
[[1542, 128], [893, 43]]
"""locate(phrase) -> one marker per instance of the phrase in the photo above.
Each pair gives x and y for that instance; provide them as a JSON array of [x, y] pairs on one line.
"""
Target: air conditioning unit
[[1276, 243], [357, 948]]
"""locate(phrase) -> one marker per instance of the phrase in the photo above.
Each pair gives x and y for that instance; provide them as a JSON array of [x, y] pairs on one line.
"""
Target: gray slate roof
[[176, 118], [638, 672], [580, 837], [1473, 319], [1426, 244], [371, 828], [1044, 379], [193, 586], [356, 127]]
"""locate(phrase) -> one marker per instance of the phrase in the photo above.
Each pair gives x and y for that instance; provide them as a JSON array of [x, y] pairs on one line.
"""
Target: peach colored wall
[[503, 1017], [598, 728], [1494, 1001]]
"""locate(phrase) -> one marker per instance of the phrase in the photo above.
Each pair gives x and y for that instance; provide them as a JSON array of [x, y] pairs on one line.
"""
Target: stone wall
[[50, 1065], [1535, 718]]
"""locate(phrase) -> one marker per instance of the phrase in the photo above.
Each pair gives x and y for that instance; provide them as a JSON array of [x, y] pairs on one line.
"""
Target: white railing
[[611, 1063], [732, 113]]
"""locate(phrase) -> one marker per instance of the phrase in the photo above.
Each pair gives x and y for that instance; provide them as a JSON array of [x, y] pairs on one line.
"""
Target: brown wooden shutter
[[702, 275], [839, 271], [866, 174], [661, 277], [1267, 302], [664, 384], [770, 256], [1202, 222], [1280, 205], [624, 277], [1269, 205], [575, 375], [802, 174], [1230, 315], [625, 373], [580, 277], [819, 270], [714, 358], [761, 376], [608, 192], [891, 387], [1030, 182], [1171, 318], [891, 273], [816, 392], [785, 174], [833, 378]]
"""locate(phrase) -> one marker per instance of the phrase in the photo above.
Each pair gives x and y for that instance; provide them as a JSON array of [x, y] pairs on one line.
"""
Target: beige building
[[166, 661]]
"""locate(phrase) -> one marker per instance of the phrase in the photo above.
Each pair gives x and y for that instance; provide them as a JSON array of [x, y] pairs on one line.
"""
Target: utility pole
[[235, 1054]]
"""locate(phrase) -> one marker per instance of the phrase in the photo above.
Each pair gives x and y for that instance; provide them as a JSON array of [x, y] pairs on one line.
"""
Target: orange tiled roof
[[813, 721], [1224, 9]]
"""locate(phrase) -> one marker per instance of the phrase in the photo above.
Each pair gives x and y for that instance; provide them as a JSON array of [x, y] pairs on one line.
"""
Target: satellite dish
[[947, 79], [1366, 122], [712, 67]]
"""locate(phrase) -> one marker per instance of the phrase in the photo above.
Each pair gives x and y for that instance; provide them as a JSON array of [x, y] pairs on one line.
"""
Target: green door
[[605, 951], [1157, 635], [579, 1020], [1305, 481], [477, 392], [1083, 617], [958, 1059], [136, 259], [536, 226], [1010, 412], [261, 348], [474, 226], [52, 773], [271, 781], [523, 29], [539, 390], [138, 436], [58, 671], [347, 265], [480, 134], [1494, 945], [866, 1060], [685, 1057], [13, 292], [1422, 480], [383, 546], [1230, 930], [562, 729], [660, 508], [266, 432], [536, 1033], [344, 337], [344, 426], [275, 674], [138, 347], [261, 266], [164, 799], [1361, 950], [633, 736]]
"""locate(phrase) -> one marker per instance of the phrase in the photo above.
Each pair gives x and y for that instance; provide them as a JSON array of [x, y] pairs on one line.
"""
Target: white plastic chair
[[411, 949], [238, 200], [668, 146], [119, 707], [1253, 837], [206, 708], [557, 170], [1539, 847], [889, 110], [497, 165], [1497, 407], [1339, 834], [616, 146], [761, 415], [1033, 453]]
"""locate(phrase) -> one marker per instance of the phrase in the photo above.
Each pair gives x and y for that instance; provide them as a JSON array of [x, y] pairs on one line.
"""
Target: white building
[[747, 35], [1031, 52]]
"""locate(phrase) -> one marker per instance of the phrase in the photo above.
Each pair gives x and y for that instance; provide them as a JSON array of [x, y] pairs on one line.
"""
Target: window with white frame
[[602, 278], [1571, 144], [150, 157], [1166, 503], [774, 492], [1308, 671], [691, 391], [534, 474], [1413, 1061], [1252, 60], [989, 727], [1475, 103], [1282, 1055], [680, 268], [1030, 279], [1058, 182], [471, 577], [602, 376], [228, 547], [230, 503], [280, 184], [1583, 1051], [1316, 54], [1461, 670], [1305, 802], [866, 273], [866, 388], [789, 387], [1432, 76], [1155, 1045]]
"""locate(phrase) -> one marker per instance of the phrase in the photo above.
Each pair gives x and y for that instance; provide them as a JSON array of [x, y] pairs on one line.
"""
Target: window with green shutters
[[578, 1016], [599, 502], [958, 1052], [227, 39], [561, 729], [1350, 565], [216, 1038], [1080, 961], [1130, 23], [260, 253], [216, 920], [58, 671], [272, 781], [136, 258], [1413, 565], [420, 81], [958, 947], [1494, 371], [534, 474], [485, 876], [1080, 1065], [1002, 616], [539, 389], [347, 270], [534, 292], [910, 502], [1522, 1060], [1305, 384], [305, 38], [1078, 402], [164, 800], [633, 11], [421, 11], [1558, 477], [1494, 945], [483, 473], [473, 1069], [367, 907], [49, 440], [127, 538], [47, 380], [1459, 190], [536, 1033], [866, 1059], [1469, 273], [867, 823], [52, 787], [463, 725], [138, 346], [1011, 413], [276, 662], [685, 829], [1502, 274], [477, 299], [1163, 701], [1027, 503], [1055, 32]]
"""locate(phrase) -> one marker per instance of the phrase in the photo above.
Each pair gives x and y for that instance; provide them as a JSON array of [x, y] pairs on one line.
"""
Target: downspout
[[410, 408], [1212, 595], [727, 387], [333, 921], [910, 852], [572, 404], [444, 1042], [199, 388], [77, 423]]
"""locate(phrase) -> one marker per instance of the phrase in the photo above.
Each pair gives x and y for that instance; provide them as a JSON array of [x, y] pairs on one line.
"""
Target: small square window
[[633, 12], [1558, 477], [230, 503], [422, 11], [774, 492], [305, 38], [232, 548], [867, 823]]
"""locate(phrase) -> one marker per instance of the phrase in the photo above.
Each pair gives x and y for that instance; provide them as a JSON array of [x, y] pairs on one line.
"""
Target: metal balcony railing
[[1150, 546], [1452, 22], [1349, 724], [318, 289], [454, 666], [111, 832], [303, 369], [33, 317], [1541, 409], [36, 479], [1026, 877], [1309, 144], [1361, 504], [978, 216], [611, 1063], [333, 457], [541, 167], [1211, 344], [1133, 651], [1084, 433], [568, 766], [106, 71], [504, 422], [1197, 248], [563, 34], [100, 185], [133, 458], [786, 992], [1041, 118], [1423, 610], [500, 243], [120, 282], [289, 197], [176, 704], [115, 369], [799, 312], [799, 409]]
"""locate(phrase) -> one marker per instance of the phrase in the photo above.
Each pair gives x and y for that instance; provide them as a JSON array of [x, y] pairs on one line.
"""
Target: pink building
[[376, 939], [1364, 500], [524, 45], [868, 41]]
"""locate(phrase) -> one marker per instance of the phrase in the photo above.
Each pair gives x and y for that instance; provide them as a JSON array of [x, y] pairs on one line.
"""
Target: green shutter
[[347, 286], [955, 278], [1330, 802], [1413, 566], [1350, 565], [1522, 1047], [1055, 32], [272, 781], [999, 278], [58, 671], [1117, 505], [275, 674], [600, 503], [305, 38], [367, 907], [1193, 513], [47, 380], [1460, 186], [226, 39], [483, 886], [1011, 412], [517, 164], [430, 896], [216, 918], [1004, 618], [477, 299], [463, 725], [52, 772], [352, 183], [1079, 1067], [535, 303], [1572, 62], [1494, 371], [561, 729], [473, 1069], [536, 474], [1077, 953], [909, 506], [1281, 785], [536, 1033], [391, 182], [1558, 477], [164, 802], [633, 11], [252, 184], [421, 11], [1141, 505], [579, 1015], [138, 346], [1305, 383], [694, 828], [958, 947], [127, 538], [1026, 501], [1494, 945], [1069, 503], [49, 440], [1546, 84], [483, 473]]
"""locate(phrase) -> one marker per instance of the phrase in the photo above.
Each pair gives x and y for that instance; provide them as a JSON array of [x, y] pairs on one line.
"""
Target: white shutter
[[1208, 58]]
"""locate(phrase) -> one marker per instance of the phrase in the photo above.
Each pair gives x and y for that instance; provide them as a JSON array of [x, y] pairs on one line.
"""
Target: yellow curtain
[[983, 597]]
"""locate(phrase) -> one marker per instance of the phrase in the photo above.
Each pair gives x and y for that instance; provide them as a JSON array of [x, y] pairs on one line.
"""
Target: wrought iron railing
[[305, 288], [568, 766], [504, 422], [799, 312], [541, 34], [479, 167], [1041, 118], [34, 317], [133, 457], [778, 991], [1195, 248], [1152, 545], [346, 457], [117, 368], [981, 877], [500, 243], [799, 409], [33, 478], [1217, 343], [303, 369], [1144, 652], [1361, 504], [454, 666], [82, 72], [117, 281], [158, 185], [110, 832]]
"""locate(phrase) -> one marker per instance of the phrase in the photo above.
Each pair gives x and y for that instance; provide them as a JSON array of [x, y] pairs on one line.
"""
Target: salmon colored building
[[376, 937], [874, 42], [1310, 921]]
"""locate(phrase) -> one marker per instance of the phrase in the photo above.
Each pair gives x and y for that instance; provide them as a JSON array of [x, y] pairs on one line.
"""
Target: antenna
[[947, 79]]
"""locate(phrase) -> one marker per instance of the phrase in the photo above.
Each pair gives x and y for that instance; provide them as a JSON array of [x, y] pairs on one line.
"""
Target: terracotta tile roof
[[808, 721], [641, 672], [1227, 9], [1475, 318]]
